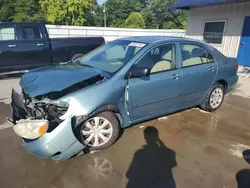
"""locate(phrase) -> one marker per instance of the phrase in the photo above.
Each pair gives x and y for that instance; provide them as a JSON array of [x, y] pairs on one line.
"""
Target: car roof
[[151, 39]]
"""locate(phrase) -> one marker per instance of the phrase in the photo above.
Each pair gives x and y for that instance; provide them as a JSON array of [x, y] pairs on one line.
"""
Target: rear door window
[[7, 33], [194, 54], [31, 32]]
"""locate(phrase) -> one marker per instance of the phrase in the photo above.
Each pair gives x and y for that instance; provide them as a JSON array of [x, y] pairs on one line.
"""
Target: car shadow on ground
[[243, 176], [152, 165]]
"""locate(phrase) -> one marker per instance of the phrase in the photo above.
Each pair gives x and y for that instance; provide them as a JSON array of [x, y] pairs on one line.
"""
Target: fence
[[108, 33]]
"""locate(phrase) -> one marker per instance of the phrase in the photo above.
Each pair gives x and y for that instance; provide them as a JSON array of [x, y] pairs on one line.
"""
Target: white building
[[223, 23]]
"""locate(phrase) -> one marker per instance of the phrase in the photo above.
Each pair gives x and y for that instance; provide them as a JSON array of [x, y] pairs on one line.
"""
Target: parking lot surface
[[193, 149]]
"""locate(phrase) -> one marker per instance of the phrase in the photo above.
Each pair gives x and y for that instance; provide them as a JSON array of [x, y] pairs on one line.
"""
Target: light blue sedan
[[85, 103]]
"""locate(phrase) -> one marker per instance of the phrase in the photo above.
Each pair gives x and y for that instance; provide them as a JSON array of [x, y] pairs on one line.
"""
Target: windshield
[[112, 56]]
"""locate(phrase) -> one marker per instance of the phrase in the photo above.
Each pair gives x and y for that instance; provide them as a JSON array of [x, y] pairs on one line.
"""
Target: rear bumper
[[60, 144], [231, 83]]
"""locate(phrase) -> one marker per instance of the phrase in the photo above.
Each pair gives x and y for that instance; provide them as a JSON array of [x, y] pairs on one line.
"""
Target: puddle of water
[[237, 149]]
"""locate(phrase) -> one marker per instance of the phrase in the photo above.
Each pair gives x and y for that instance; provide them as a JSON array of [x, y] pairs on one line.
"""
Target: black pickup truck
[[24, 46]]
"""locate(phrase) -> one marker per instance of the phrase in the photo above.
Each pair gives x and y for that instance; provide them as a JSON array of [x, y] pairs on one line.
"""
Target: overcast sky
[[100, 1]]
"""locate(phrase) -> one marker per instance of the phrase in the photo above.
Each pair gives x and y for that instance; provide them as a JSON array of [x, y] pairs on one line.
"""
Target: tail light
[[237, 65]]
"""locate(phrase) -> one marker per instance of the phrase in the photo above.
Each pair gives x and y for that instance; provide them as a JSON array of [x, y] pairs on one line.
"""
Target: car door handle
[[175, 76], [12, 46], [40, 44], [212, 69]]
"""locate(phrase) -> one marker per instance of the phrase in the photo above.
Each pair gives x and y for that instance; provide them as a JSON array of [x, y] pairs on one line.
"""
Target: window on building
[[193, 54], [213, 32], [7, 33]]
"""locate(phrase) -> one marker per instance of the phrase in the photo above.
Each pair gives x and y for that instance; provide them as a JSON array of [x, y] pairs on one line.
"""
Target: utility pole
[[105, 18]]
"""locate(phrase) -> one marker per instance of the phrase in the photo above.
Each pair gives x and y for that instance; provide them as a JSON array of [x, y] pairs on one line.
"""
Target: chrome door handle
[[212, 69], [40, 44], [12, 46], [175, 76]]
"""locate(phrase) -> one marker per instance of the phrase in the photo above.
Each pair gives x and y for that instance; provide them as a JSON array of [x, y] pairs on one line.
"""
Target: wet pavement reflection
[[187, 149]]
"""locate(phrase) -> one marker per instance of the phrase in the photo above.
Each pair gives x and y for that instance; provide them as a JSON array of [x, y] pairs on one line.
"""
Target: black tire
[[76, 56], [206, 106], [112, 118]]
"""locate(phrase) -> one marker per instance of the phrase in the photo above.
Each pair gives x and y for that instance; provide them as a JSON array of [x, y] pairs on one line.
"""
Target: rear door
[[199, 70], [34, 44], [9, 49]]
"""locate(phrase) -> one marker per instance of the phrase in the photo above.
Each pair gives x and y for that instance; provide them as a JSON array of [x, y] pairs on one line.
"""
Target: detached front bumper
[[59, 144]]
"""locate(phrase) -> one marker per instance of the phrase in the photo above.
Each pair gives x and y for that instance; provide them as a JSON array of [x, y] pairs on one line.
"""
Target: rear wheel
[[101, 131], [214, 98]]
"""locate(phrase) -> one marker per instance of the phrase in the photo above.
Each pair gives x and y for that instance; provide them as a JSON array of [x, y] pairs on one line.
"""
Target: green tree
[[181, 19], [69, 12], [155, 13], [161, 12], [27, 11], [135, 20], [169, 25], [149, 20], [20, 11], [6, 10], [94, 16], [118, 11], [159, 15]]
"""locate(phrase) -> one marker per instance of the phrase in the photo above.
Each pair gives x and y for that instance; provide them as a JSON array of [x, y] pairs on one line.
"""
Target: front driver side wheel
[[214, 98], [101, 131]]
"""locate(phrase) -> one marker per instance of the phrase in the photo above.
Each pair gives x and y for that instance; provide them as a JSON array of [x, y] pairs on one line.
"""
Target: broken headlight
[[31, 129]]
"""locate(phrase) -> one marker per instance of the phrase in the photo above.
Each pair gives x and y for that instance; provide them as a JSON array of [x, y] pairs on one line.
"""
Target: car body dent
[[80, 102]]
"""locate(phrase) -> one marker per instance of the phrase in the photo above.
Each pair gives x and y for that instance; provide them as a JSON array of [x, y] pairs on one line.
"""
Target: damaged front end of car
[[33, 117], [46, 123], [42, 130]]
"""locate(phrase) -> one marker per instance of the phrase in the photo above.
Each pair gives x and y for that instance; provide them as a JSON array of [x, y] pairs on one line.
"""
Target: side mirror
[[139, 72]]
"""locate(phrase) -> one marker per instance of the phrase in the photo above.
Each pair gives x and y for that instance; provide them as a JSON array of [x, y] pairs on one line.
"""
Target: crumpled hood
[[55, 78]]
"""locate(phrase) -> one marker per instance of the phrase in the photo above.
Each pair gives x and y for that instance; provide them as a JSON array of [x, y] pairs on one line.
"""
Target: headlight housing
[[31, 129]]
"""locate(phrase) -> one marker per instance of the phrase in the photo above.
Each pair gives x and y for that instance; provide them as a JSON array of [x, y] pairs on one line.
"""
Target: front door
[[244, 49], [157, 93], [199, 70]]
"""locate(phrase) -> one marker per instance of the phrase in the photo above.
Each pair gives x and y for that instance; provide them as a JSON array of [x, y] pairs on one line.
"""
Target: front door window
[[159, 59]]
